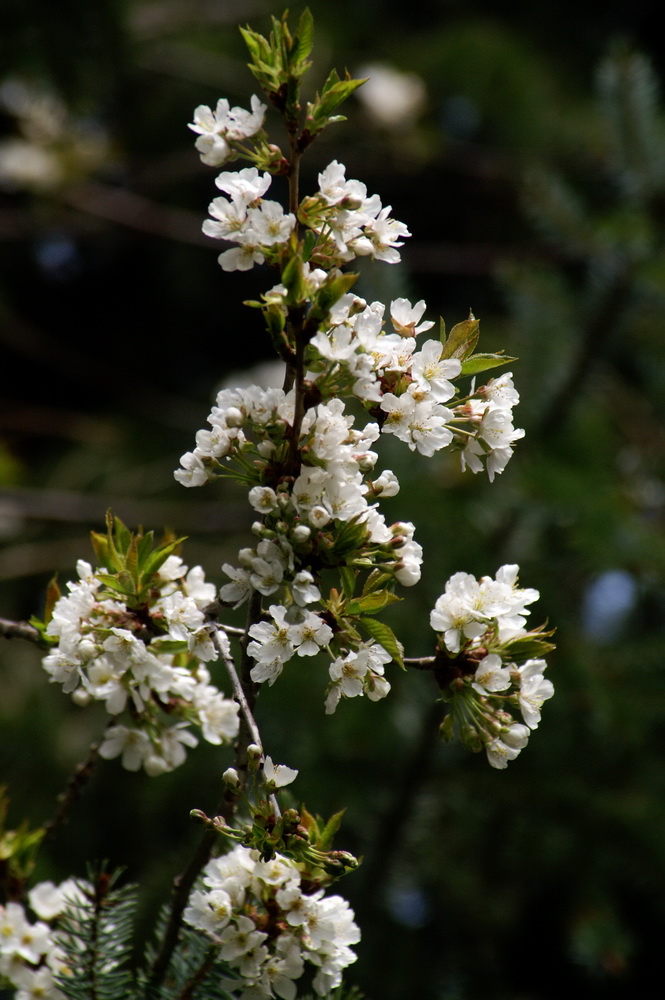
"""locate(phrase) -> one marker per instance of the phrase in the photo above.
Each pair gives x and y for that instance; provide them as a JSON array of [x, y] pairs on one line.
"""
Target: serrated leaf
[[462, 340], [122, 536], [372, 602], [529, 648], [132, 559], [327, 834], [377, 578], [160, 555], [145, 545], [348, 578], [483, 362], [384, 635], [303, 38], [121, 586], [333, 93]]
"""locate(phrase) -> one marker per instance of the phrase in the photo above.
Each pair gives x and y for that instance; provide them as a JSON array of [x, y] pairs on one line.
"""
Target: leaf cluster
[[132, 560]]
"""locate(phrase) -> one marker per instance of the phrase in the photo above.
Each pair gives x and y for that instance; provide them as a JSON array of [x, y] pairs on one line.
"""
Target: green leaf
[[100, 546], [377, 578], [462, 340], [160, 555], [333, 93], [442, 330], [528, 648], [372, 602], [169, 645], [384, 635], [327, 834], [122, 583], [483, 362], [145, 545], [303, 41], [348, 578], [132, 557]]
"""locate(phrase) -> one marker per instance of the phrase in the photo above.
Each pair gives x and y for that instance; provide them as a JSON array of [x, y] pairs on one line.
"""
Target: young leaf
[[483, 362], [462, 340], [372, 602]]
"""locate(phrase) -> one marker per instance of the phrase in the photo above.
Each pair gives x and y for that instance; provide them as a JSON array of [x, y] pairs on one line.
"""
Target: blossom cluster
[[480, 624], [30, 957], [346, 222], [255, 223], [309, 471], [302, 514], [147, 662], [267, 923], [408, 387]]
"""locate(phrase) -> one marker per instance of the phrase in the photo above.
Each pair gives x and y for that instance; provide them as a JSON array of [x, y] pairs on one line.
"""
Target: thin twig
[[420, 662], [231, 629], [238, 692], [248, 733], [75, 786]]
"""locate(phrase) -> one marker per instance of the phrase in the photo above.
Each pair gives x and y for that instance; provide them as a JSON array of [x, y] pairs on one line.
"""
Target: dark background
[[533, 181]]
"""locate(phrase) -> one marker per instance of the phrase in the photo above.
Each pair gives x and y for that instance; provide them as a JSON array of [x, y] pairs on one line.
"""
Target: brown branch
[[238, 692], [420, 662], [20, 630], [75, 786]]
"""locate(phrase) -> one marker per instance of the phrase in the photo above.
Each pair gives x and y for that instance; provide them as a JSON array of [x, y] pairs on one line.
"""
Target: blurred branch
[[19, 630], [390, 829], [136, 212], [75, 786], [594, 336]]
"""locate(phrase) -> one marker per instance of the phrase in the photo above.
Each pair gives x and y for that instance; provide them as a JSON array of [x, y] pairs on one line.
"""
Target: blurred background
[[524, 147]]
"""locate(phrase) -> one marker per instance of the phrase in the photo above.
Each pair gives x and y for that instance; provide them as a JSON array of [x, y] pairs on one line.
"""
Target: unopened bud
[[231, 777], [254, 755], [234, 417], [301, 534]]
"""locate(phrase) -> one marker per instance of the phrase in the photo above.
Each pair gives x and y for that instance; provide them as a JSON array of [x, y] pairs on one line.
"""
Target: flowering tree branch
[[138, 630]]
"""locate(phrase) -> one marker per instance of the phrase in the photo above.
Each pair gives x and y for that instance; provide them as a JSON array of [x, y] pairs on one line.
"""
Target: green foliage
[[95, 935], [133, 560], [18, 849]]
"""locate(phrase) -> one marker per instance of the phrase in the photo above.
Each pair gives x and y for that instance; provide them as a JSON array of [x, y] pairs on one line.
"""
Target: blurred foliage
[[536, 194]]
